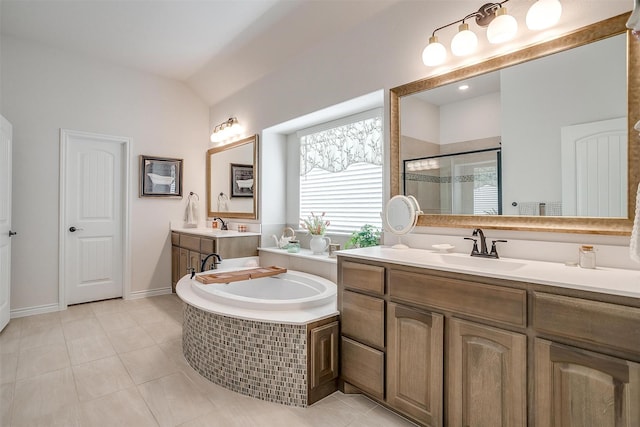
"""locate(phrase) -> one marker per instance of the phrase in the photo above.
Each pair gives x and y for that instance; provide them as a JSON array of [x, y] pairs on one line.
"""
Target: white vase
[[319, 244]]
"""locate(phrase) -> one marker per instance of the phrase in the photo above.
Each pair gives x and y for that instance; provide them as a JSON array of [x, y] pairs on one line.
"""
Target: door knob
[[12, 233], [74, 229]]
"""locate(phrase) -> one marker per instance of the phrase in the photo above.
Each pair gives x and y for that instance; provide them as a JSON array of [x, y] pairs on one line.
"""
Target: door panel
[[414, 363], [486, 376], [5, 221], [575, 387], [93, 205], [594, 169]]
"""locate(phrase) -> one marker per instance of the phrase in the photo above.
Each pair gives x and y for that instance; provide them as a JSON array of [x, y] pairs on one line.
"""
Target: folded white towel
[[634, 244], [191, 214]]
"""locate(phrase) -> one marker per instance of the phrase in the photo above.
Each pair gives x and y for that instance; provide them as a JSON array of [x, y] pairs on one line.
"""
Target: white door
[[594, 169], [94, 194], [5, 222]]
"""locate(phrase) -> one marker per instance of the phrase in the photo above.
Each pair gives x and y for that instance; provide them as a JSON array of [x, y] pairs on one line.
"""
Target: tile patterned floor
[[120, 363]]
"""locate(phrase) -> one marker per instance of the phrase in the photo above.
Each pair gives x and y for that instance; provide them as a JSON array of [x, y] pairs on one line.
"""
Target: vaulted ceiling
[[215, 46]]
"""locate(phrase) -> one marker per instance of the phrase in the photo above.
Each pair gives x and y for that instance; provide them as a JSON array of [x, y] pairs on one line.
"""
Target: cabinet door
[[414, 363], [486, 377], [575, 387], [184, 262], [175, 266], [324, 354]]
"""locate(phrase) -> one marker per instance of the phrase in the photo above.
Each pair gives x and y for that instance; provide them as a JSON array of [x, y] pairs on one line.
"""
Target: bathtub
[[293, 297], [255, 336]]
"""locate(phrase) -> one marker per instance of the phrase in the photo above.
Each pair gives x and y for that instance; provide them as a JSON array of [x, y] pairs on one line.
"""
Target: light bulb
[[435, 53], [236, 128], [465, 42], [544, 14], [214, 137], [503, 27]]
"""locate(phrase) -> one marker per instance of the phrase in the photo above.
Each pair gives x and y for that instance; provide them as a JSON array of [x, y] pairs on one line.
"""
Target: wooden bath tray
[[236, 276]]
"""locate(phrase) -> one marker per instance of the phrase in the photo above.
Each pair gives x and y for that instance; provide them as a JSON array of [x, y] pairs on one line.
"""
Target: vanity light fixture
[[228, 129], [502, 27]]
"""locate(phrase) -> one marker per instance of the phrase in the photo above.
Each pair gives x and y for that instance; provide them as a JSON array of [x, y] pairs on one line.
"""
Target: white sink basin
[[480, 263]]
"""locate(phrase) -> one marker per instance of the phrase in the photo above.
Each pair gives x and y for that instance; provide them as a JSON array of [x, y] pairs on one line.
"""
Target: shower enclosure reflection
[[465, 183]]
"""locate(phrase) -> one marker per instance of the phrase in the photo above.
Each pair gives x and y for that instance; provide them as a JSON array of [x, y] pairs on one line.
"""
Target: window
[[341, 171]]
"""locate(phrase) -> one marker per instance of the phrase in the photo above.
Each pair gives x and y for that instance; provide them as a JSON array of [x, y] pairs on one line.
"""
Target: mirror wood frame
[[584, 225], [256, 174]]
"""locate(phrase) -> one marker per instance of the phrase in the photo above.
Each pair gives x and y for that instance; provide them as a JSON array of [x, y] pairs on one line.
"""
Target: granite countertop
[[606, 280]]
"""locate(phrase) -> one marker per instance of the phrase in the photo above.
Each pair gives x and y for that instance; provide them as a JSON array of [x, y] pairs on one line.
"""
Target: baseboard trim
[[149, 293], [30, 311]]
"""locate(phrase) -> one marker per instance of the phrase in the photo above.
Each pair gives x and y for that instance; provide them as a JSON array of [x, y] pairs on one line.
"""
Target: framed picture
[[241, 180], [160, 177]]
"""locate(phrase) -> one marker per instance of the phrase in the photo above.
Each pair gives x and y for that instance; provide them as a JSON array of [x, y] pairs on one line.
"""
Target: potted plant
[[316, 225], [368, 235]]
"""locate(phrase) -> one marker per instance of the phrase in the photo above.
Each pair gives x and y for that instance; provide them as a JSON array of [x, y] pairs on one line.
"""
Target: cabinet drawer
[[206, 246], [190, 242], [369, 278], [363, 367], [490, 302], [589, 321], [363, 318], [175, 239]]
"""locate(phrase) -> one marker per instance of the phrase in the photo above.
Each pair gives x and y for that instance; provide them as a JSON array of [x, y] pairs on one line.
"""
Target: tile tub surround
[[258, 359]]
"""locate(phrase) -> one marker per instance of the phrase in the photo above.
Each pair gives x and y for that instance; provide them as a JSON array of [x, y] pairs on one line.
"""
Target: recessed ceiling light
[[463, 87]]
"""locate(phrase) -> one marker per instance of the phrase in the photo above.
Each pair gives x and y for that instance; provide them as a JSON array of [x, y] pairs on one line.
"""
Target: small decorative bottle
[[587, 256]]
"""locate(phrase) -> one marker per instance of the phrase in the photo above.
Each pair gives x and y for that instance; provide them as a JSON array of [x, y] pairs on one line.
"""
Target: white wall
[[46, 89], [471, 119], [420, 119]]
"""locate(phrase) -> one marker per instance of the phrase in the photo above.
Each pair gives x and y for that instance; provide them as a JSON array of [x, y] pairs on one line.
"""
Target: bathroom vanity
[[459, 341], [190, 246]]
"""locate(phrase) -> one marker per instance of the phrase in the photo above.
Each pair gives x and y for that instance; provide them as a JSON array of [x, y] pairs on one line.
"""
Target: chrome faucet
[[222, 223], [483, 252], [215, 256]]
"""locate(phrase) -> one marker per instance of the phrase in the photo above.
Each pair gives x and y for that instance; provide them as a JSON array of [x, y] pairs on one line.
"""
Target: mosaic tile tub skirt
[[259, 359]]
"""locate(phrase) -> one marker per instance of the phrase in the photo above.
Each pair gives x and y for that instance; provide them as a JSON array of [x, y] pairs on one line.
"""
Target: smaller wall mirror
[[400, 217], [232, 179]]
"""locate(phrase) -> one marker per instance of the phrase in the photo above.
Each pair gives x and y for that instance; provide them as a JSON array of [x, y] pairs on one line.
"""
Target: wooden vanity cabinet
[[189, 250], [449, 349], [486, 366]]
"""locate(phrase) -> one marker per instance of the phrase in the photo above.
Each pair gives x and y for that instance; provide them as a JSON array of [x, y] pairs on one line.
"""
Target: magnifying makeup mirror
[[400, 217]]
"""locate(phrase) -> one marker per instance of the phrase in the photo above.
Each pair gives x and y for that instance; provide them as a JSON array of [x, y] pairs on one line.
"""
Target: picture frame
[[242, 180], [160, 177]]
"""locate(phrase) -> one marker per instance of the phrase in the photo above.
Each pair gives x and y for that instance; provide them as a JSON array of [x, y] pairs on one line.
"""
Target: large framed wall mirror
[[232, 179], [560, 114]]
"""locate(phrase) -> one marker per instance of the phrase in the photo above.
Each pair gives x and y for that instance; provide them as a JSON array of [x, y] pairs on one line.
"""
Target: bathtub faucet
[[215, 264], [222, 223]]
